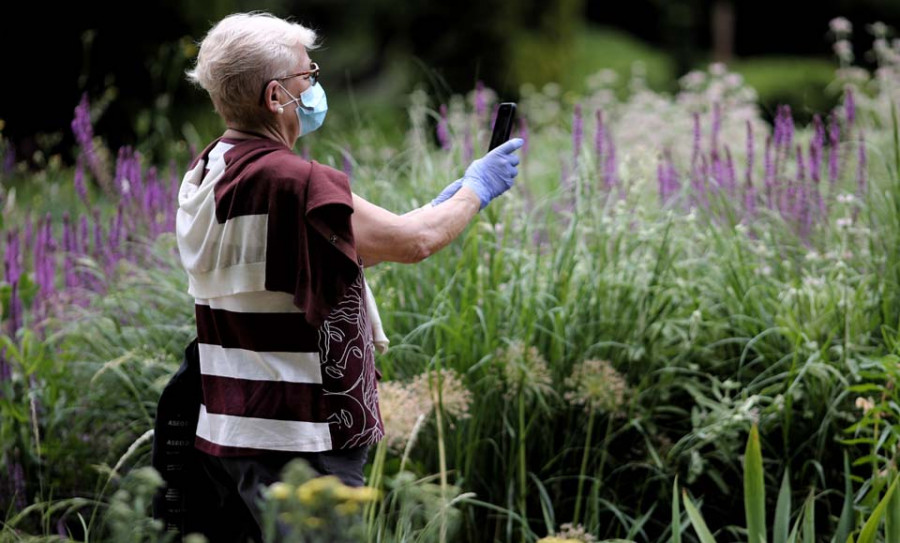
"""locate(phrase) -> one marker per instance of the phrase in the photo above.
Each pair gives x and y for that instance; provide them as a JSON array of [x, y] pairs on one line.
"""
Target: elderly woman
[[274, 247]]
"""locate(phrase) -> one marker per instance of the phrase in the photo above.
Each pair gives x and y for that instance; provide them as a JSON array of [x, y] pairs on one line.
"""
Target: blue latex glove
[[448, 192], [493, 174]]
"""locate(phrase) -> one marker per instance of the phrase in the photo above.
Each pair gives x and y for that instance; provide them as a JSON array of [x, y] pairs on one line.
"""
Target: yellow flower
[[347, 509], [280, 491], [313, 522], [309, 491]]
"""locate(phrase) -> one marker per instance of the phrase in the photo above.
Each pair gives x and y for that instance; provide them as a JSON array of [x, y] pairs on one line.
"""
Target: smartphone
[[506, 116]]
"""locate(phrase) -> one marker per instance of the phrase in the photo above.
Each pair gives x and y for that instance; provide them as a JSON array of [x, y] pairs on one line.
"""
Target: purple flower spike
[[443, 132], [769, 173], [788, 128], [80, 187], [468, 151], [69, 249], [730, 177], [750, 199], [716, 127], [834, 134], [480, 100], [599, 136], [662, 181], [695, 155], [577, 131], [13, 266], [816, 145], [610, 167], [84, 135], [84, 236], [850, 106], [748, 175]]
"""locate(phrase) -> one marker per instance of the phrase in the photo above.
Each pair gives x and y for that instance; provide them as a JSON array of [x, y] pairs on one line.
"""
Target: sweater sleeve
[[332, 264]]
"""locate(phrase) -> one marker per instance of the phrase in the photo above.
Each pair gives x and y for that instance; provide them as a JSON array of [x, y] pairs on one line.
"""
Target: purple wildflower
[[598, 135], [98, 232], [306, 153], [716, 127], [788, 127], [84, 135], [750, 153], [850, 106], [29, 232], [69, 237], [80, 187], [769, 173], [610, 167], [468, 151], [83, 239], [816, 146], [480, 100], [13, 267], [695, 154], [523, 133], [730, 177], [662, 172], [667, 177], [750, 198], [797, 197], [44, 263], [577, 131], [443, 132], [834, 133]]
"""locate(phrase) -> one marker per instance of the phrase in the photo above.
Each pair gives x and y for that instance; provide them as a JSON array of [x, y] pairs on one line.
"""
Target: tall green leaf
[[697, 520], [809, 519], [892, 519], [783, 511], [845, 524], [754, 489], [676, 514], [870, 528]]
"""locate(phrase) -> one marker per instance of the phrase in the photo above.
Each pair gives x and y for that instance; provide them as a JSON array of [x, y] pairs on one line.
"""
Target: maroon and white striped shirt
[[285, 341]]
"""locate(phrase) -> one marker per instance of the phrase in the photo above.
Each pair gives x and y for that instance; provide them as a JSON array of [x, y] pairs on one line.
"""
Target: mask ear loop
[[281, 106]]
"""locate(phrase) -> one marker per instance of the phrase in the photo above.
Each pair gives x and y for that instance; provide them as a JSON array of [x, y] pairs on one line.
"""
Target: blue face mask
[[311, 108]]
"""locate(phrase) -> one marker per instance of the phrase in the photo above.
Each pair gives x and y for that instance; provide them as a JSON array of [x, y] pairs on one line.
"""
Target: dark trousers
[[218, 496], [224, 497]]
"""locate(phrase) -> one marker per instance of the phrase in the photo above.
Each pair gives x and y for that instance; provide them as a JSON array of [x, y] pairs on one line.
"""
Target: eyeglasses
[[312, 75]]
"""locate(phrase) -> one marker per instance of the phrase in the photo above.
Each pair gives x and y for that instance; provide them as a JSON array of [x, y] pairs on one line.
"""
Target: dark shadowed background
[[130, 60]]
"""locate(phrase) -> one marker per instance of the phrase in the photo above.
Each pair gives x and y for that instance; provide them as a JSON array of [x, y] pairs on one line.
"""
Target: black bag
[[174, 456]]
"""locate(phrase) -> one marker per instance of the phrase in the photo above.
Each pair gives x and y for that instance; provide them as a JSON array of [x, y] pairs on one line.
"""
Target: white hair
[[241, 54]]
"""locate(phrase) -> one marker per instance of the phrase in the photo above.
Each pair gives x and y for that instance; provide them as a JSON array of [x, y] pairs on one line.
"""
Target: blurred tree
[[723, 30]]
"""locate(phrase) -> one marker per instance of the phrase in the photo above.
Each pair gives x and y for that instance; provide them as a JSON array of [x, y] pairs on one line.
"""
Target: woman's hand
[[493, 174]]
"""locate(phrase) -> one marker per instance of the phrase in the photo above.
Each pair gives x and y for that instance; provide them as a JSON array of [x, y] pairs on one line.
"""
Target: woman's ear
[[272, 102]]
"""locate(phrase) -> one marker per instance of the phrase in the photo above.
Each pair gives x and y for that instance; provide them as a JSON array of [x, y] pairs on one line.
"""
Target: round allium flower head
[[596, 385], [524, 370], [445, 387], [400, 408]]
